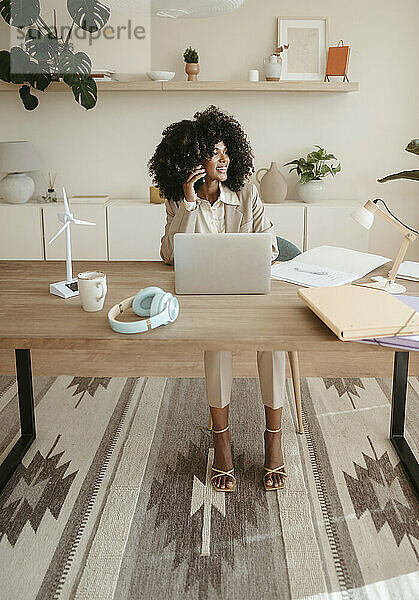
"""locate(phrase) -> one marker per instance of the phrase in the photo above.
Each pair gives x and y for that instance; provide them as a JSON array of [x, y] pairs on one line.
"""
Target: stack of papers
[[327, 266], [409, 270]]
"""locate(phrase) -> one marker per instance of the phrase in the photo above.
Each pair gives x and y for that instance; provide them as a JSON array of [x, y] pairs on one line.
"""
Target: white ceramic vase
[[311, 192], [273, 187], [17, 188], [273, 68]]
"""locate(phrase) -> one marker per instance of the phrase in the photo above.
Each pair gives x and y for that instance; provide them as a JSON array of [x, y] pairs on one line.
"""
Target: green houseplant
[[412, 146], [312, 170], [46, 56], [191, 58]]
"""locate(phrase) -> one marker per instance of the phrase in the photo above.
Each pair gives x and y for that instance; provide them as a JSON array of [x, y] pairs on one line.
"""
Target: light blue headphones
[[161, 307]]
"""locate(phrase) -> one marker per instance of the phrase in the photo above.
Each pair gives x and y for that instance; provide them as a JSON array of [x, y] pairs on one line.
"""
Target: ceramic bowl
[[161, 75]]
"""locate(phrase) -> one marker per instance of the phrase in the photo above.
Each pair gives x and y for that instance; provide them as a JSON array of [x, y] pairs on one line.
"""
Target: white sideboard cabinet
[[135, 229], [132, 229], [288, 221], [21, 236], [88, 242]]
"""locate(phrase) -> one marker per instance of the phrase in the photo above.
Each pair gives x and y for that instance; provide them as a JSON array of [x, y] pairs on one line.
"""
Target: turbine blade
[[58, 233], [67, 208], [80, 222]]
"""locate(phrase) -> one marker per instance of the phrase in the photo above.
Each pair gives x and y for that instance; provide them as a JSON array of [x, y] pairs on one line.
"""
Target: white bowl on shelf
[[160, 75]]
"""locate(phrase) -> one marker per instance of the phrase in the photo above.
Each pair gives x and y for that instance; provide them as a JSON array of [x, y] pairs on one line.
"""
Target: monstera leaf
[[44, 55], [412, 146], [5, 66], [90, 15], [29, 100], [20, 13], [21, 67], [84, 89], [77, 64], [41, 47]]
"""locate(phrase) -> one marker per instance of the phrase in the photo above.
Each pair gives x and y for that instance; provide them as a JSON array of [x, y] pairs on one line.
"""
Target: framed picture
[[307, 38]]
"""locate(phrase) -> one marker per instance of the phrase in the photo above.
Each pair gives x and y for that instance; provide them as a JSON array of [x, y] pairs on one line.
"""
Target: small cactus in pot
[[191, 58]]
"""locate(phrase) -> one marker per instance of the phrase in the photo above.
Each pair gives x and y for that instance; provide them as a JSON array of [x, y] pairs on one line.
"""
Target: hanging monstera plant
[[47, 57], [413, 174]]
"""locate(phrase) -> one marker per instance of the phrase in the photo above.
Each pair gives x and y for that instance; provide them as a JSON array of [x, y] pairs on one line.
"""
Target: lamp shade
[[363, 216], [18, 157], [193, 9]]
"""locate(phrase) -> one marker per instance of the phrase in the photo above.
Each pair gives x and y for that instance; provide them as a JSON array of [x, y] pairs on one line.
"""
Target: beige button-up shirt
[[211, 218], [233, 212]]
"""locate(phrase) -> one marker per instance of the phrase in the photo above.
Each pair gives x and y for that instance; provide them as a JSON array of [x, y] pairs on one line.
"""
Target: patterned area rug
[[113, 499]]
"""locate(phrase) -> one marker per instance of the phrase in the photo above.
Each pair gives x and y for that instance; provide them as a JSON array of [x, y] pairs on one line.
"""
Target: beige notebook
[[353, 312]]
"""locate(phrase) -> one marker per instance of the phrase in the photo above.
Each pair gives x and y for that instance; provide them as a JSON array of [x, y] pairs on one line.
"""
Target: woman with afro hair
[[201, 167]]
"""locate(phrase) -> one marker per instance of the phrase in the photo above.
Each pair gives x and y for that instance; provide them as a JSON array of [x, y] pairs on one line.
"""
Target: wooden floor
[[377, 363]]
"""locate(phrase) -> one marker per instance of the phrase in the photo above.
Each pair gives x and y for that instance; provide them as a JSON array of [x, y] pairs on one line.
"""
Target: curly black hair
[[186, 144]]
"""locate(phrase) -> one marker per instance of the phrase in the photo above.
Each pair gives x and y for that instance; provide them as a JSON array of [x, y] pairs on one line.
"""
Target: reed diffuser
[[51, 195]]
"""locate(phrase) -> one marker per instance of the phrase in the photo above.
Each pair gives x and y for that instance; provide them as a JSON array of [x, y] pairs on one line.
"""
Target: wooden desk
[[31, 318]]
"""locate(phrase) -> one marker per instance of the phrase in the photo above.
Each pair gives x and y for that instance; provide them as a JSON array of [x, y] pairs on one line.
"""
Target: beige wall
[[106, 150]]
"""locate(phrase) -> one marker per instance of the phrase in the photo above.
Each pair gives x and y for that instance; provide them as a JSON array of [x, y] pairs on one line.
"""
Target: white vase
[[311, 192], [17, 188], [272, 67]]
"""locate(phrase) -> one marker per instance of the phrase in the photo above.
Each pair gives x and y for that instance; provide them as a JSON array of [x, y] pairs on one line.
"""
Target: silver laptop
[[222, 263]]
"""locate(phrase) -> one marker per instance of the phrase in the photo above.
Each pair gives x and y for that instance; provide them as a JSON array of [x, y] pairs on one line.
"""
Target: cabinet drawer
[[21, 232], [288, 222], [88, 242], [135, 230]]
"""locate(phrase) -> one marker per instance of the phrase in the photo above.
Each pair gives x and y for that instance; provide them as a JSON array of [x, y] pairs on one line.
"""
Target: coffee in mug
[[92, 289]]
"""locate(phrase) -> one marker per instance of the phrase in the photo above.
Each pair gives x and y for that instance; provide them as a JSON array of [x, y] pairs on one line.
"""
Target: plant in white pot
[[312, 170]]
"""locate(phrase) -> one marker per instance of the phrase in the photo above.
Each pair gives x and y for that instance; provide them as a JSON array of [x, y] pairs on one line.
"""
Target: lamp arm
[[409, 234], [372, 207], [394, 216], [400, 256]]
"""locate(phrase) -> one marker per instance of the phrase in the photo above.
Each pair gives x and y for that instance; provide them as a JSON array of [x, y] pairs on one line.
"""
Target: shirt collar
[[226, 196]]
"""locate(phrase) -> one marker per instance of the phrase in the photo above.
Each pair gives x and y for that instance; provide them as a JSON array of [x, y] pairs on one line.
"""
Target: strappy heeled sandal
[[218, 472], [278, 470]]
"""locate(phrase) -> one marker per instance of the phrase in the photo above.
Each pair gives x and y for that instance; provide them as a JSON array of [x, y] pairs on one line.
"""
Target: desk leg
[[27, 417], [398, 410]]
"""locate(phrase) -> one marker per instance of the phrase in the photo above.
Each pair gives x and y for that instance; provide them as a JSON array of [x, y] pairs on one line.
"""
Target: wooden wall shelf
[[207, 86]]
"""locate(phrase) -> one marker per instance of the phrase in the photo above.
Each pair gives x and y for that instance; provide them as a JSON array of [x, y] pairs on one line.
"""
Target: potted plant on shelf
[[191, 58], [312, 170], [46, 55]]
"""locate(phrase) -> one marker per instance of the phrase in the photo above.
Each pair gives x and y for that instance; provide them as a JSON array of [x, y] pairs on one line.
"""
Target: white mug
[[92, 288], [253, 75]]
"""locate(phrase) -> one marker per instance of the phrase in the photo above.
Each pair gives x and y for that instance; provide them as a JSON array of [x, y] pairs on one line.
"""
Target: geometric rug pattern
[[113, 500]]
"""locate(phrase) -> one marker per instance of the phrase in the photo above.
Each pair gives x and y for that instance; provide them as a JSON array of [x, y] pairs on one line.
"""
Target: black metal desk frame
[[28, 430]]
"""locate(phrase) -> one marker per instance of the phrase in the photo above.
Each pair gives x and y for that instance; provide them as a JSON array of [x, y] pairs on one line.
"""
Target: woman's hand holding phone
[[188, 186]]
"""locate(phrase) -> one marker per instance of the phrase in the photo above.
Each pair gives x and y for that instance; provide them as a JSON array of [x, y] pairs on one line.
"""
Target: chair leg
[[295, 371], [210, 422]]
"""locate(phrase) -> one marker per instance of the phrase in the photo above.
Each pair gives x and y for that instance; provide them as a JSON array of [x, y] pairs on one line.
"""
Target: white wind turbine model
[[69, 287]]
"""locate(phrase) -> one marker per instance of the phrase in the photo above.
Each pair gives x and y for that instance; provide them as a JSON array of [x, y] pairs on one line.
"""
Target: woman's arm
[[261, 223], [179, 219]]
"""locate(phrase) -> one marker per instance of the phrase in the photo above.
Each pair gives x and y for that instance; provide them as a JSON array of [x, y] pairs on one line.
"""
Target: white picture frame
[[305, 60]]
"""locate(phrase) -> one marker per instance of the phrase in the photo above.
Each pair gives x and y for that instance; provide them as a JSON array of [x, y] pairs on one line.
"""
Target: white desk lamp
[[16, 159], [364, 215]]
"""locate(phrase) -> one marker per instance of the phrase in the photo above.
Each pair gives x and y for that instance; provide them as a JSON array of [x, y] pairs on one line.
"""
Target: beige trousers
[[219, 377]]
